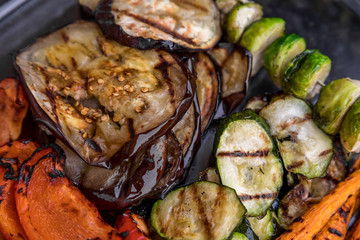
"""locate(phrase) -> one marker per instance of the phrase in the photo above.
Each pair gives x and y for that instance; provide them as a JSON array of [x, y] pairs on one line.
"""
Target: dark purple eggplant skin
[[231, 102], [107, 24]]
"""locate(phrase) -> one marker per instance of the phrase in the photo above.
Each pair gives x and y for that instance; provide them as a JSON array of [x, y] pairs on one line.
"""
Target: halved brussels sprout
[[335, 100], [240, 17], [258, 36], [97, 95], [166, 24], [279, 54], [306, 73], [350, 129]]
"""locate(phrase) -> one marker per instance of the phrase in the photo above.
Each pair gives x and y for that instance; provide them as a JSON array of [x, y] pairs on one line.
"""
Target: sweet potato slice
[[338, 223], [12, 155], [132, 226], [13, 108], [51, 207], [318, 216]]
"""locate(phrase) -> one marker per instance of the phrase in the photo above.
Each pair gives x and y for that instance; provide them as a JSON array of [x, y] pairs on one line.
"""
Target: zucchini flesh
[[239, 236], [258, 36], [303, 74], [247, 162], [304, 148], [263, 227], [280, 53], [203, 210], [240, 17], [334, 101]]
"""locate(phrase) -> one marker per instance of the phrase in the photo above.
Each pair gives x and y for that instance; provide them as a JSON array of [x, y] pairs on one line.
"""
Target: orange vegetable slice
[[51, 207], [13, 109], [318, 216], [337, 226], [12, 155]]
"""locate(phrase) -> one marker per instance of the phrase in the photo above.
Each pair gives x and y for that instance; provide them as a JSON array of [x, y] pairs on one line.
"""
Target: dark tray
[[331, 26]]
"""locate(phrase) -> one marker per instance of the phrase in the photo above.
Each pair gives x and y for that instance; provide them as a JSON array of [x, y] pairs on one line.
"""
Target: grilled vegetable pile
[[122, 102]]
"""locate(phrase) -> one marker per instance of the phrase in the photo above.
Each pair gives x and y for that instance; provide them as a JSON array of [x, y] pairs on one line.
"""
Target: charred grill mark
[[201, 212], [56, 173], [124, 234], [295, 165], [299, 219], [325, 152], [344, 214], [131, 127], [93, 145], [246, 197], [20, 190], [335, 232], [191, 4], [158, 26], [2, 190], [288, 139], [163, 67], [10, 173], [259, 153], [296, 121], [73, 62]]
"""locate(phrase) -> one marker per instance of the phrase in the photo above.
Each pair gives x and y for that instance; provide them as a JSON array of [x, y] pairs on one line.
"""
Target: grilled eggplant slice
[[99, 95], [335, 100], [168, 24], [203, 210], [304, 147], [247, 161], [235, 64], [208, 83]]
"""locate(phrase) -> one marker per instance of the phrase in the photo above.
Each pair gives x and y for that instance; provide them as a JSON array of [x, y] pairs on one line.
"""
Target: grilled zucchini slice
[[263, 227], [279, 54], [304, 147], [202, 210], [350, 129], [247, 161], [240, 17], [335, 100], [306, 73], [258, 36], [239, 236]]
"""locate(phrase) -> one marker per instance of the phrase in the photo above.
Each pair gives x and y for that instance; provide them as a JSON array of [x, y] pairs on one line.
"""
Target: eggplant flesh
[[99, 95], [89, 4], [167, 24], [235, 65], [208, 84]]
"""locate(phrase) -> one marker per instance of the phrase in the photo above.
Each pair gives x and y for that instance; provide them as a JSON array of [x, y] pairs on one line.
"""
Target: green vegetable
[[264, 227], [305, 73], [350, 129], [258, 36], [239, 236], [335, 100], [202, 210], [247, 161], [245, 228], [240, 17], [280, 53], [303, 146], [225, 6]]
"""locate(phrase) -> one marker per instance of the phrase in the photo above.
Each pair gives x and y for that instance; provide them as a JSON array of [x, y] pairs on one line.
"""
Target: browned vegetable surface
[[51, 207], [13, 109]]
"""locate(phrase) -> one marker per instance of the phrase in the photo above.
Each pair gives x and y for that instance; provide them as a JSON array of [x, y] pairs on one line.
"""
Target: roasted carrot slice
[[318, 216], [354, 231], [13, 108], [337, 225], [12, 155], [132, 226], [51, 207]]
